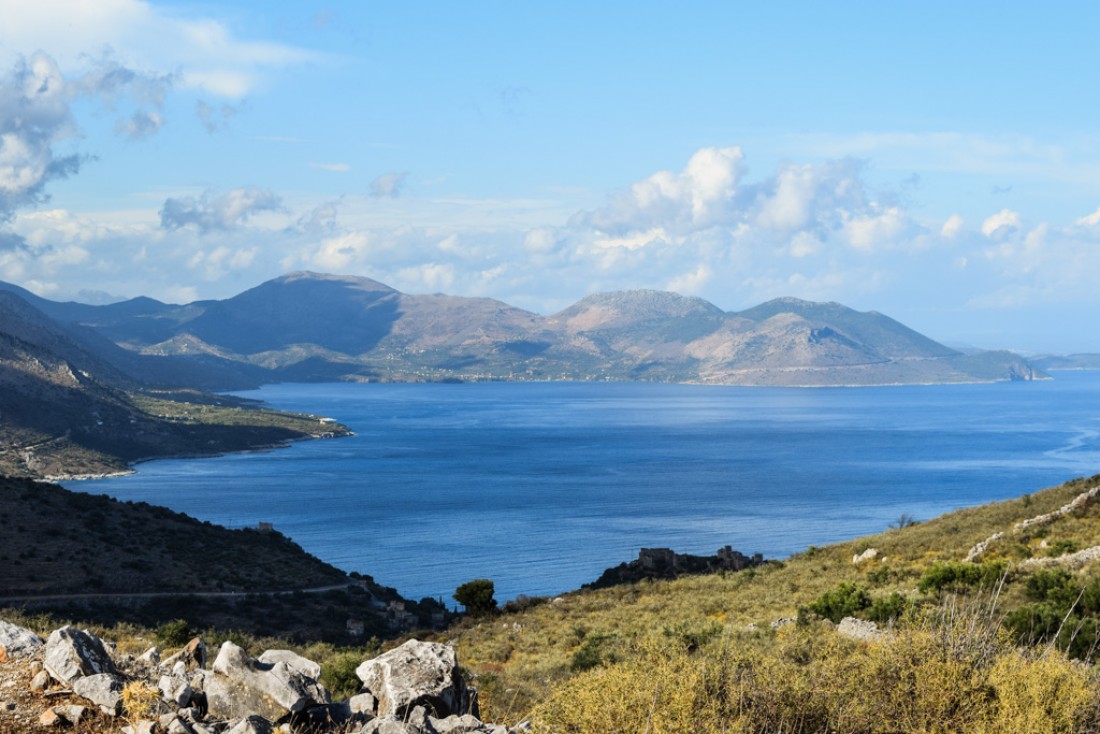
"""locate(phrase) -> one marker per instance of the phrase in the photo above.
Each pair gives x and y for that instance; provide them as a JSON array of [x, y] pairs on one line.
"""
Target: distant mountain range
[[313, 327]]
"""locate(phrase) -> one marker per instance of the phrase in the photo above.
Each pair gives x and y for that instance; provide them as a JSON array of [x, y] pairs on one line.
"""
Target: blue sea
[[541, 486]]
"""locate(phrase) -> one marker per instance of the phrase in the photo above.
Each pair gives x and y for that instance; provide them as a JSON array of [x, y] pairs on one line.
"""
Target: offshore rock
[[664, 563]]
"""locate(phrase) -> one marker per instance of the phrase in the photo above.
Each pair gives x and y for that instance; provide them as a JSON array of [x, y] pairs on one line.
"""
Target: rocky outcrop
[[417, 674], [102, 689], [860, 629], [1073, 505], [294, 661], [242, 685], [16, 641], [416, 688], [73, 653], [664, 563]]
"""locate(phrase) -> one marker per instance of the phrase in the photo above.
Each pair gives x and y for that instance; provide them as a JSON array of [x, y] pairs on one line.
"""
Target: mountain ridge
[[308, 326]]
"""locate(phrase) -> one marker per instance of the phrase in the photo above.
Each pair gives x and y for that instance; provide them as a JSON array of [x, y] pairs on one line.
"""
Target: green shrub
[[591, 653], [887, 608], [477, 596], [176, 633], [338, 674], [953, 575], [846, 600]]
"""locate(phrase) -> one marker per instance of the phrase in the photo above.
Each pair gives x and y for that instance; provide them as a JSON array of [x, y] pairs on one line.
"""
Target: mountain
[[1067, 362], [69, 406], [315, 327]]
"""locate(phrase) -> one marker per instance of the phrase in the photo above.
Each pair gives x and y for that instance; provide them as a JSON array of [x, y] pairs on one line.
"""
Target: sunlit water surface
[[541, 486]]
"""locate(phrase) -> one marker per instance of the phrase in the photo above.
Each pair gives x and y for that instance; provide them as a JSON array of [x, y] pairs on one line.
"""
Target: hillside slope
[[68, 407], [99, 559], [598, 661]]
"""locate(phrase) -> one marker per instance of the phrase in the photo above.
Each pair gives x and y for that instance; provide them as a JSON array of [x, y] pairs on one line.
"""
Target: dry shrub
[[1042, 694], [949, 672]]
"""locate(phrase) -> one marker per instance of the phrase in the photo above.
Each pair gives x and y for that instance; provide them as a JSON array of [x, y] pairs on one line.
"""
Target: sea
[[541, 486]]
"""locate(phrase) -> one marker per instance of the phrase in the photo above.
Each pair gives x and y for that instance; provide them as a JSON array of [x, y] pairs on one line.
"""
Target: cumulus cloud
[[211, 211], [36, 124], [699, 196], [952, 227], [1090, 220], [34, 118], [1001, 223], [207, 54], [388, 185]]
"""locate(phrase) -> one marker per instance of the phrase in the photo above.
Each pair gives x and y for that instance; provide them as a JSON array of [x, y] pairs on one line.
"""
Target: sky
[[938, 162]]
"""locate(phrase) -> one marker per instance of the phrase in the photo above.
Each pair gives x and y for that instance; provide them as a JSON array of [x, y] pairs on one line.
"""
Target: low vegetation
[[1004, 643], [992, 645]]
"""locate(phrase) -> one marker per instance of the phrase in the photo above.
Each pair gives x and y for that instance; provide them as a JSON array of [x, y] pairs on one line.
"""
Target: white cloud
[[691, 282], [697, 197], [1090, 220], [34, 117], [867, 231], [209, 55], [331, 167], [952, 227], [1001, 223], [388, 185], [212, 211]]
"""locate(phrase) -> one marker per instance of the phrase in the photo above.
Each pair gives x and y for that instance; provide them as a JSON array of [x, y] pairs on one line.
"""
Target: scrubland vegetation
[[991, 645], [996, 644]]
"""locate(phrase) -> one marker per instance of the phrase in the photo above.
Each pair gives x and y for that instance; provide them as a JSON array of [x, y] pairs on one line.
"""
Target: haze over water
[[540, 486]]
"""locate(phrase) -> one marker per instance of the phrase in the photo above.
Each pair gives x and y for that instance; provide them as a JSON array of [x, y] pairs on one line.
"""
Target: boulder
[[62, 715], [175, 690], [142, 726], [420, 720], [294, 661], [387, 726], [16, 641], [363, 703], [150, 657], [330, 717], [102, 689], [73, 653], [859, 629], [191, 657], [867, 555], [417, 674], [241, 686], [252, 725], [40, 682]]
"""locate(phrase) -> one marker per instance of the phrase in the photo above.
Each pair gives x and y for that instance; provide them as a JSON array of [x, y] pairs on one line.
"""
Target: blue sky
[[938, 162]]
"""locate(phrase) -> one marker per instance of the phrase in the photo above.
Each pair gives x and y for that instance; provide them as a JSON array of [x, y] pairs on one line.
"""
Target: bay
[[540, 486]]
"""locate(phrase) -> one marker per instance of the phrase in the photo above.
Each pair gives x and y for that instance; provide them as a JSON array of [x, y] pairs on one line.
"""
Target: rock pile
[[74, 679]]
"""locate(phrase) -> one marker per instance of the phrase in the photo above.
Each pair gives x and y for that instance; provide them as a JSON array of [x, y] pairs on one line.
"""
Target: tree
[[476, 596]]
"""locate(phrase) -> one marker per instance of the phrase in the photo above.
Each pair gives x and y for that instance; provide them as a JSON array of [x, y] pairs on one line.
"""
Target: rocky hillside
[[95, 558], [76, 680], [308, 326], [73, 403]]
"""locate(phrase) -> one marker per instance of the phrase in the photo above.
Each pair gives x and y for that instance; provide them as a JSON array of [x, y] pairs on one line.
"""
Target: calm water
[[542, 486]]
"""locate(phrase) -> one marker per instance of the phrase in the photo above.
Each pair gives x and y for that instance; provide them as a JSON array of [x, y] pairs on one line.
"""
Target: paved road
[[161, 594]]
